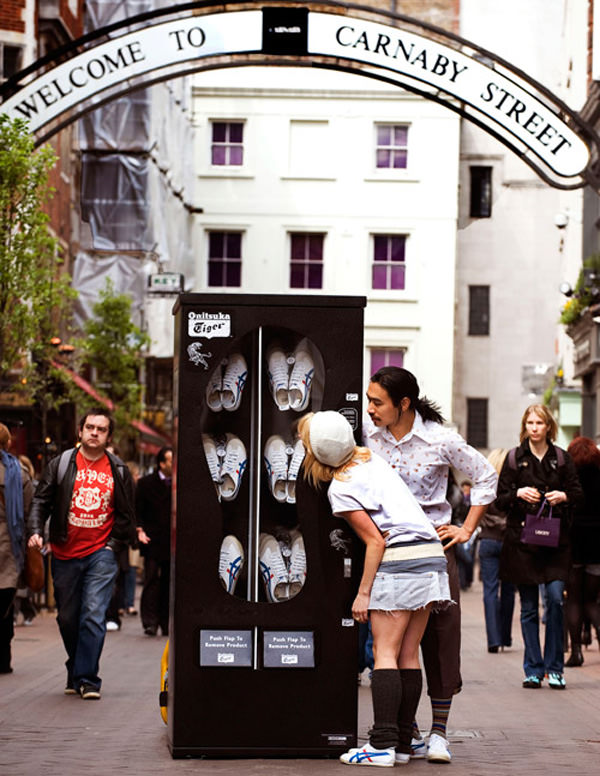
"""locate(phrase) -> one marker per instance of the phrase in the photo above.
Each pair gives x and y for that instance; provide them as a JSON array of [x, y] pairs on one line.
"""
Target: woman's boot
[[576, 658]]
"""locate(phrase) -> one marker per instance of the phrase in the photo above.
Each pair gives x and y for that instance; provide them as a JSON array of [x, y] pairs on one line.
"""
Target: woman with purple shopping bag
[[538, 484]]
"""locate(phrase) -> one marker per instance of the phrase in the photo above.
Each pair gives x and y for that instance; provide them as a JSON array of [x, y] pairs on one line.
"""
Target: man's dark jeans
[[83, 588]]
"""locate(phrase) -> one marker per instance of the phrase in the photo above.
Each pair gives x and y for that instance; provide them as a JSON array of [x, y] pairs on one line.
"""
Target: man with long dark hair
[[408, 432]]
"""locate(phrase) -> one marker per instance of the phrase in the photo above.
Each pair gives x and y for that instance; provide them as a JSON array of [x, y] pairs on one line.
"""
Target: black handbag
[[540, 530]]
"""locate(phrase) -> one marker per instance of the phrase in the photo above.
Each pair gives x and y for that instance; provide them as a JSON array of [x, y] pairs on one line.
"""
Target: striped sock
[[440, 708]]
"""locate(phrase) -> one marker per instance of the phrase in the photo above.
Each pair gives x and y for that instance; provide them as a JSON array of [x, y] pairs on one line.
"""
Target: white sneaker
[[418, 748], [278, 371], [301, 380], [111, 625], [402, 758], [368, 755], [272, 568], [212, 459], [294, 468], [233, 467], [213, 390], [234, 380], [276, 462], [231, 561], [438, 749], [297, 572]]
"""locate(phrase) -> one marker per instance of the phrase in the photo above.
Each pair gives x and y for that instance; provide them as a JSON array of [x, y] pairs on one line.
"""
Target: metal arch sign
[[514, 108]]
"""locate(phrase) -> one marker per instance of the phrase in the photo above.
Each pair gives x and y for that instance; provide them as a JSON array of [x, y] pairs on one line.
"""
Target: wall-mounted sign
[[166, 283], [226, 648], [513, 107]]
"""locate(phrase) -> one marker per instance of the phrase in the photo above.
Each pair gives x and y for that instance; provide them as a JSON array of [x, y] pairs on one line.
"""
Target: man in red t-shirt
[[88, 495]]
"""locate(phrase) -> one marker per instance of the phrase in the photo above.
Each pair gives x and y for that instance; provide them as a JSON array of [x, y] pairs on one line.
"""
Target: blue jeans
[[553, 660], [83, 588], [498, 597]]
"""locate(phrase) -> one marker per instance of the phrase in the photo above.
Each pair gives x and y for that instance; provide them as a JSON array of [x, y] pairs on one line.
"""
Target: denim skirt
[[410, 577]]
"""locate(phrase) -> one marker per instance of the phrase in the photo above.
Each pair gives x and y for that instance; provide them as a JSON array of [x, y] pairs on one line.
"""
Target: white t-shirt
[[374, 487]]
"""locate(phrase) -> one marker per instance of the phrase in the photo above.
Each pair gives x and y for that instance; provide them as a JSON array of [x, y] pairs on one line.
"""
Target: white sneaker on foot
[[278, 371], [231, 561], [276, 462], [294, 468], [418, 748], [402, 758], [301, 380], [297, 572], [233, 467], [438, 749], [368, 755], [273, 569], [234, 380]]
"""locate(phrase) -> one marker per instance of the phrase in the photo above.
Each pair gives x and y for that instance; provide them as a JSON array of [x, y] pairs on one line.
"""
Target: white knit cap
[[331, 438]]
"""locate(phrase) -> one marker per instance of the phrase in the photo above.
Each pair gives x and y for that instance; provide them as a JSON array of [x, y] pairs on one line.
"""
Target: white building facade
[[322, 182]]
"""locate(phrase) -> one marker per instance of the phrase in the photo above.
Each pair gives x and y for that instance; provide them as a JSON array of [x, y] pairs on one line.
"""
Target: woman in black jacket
[[538, 470], [583, 585]]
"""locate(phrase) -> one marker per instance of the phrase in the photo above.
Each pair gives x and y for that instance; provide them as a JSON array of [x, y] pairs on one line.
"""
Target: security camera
[[561, 220]]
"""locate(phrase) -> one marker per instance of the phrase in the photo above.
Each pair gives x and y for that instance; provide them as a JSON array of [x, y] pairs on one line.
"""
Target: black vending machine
[[263, 649]]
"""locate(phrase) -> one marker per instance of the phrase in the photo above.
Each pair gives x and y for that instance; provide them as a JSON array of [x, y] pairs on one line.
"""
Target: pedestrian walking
[[153, 512], [404, 575], [498, 595], [86, 493], [408, 432], [16, 492], [583, 583], [535, 474]]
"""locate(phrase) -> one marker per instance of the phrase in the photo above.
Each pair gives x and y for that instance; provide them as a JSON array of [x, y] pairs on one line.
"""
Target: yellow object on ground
[[164, 682]]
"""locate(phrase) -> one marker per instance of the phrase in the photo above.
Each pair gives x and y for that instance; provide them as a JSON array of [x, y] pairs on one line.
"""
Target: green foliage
[[583, 295], [113, 346], [34, 292]]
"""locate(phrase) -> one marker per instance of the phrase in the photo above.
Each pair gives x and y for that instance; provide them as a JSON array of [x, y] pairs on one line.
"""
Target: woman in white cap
[[404, 574]]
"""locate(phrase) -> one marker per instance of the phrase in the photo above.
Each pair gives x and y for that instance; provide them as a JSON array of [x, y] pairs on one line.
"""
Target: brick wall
[[442, 13], [11, 15]]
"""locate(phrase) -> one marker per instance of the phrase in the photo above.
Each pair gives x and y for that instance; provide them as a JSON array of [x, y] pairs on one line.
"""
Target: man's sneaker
[[556, 681], [418, 749], [368, 755], [234, 380], [213, 390], [89, 693], [294, 468], [402, 758], [532, 682], [212, 459], [111, 625], [70, 687], [278, 371], [276, 462], [231, 561], [301, 380], [297, 572], [438, 749], [273, 569], [233, 468]]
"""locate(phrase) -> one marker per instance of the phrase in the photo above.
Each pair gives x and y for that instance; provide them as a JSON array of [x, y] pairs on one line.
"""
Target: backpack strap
[[512, 458], [560, 456], [63, 464]]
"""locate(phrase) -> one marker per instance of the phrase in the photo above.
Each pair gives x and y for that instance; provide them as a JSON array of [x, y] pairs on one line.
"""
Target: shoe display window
[[263, 577]]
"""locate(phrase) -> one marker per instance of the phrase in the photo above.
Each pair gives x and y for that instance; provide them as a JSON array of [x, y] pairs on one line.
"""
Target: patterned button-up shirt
[[423, 457]]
